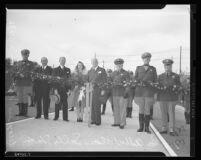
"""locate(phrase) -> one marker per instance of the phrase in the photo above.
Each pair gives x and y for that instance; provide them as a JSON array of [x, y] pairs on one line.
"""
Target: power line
[[153, 53]]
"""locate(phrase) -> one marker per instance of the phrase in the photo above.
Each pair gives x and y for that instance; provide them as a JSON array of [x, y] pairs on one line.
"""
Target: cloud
[[78, 34]]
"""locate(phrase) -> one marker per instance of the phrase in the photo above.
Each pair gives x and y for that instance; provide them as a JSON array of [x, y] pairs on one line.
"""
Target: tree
[[8, 63]]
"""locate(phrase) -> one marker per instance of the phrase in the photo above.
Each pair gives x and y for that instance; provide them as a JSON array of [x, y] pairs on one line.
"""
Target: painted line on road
[[28, 119], [163, 141]]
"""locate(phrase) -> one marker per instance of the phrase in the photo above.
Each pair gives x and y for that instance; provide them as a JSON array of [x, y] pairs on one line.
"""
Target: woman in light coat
[[79, 98]]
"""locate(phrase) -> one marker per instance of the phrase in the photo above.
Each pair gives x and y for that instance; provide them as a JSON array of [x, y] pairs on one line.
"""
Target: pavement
[[180, 144], [49, 135], [29, 134]]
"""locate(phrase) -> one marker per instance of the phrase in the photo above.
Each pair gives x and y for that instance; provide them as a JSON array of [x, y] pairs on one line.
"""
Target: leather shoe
[[121, 127], [37, 117], [55, 119], [115, 125]]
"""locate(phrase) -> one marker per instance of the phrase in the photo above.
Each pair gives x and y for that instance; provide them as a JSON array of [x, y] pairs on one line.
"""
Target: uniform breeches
[[23, 93], [144, 104]]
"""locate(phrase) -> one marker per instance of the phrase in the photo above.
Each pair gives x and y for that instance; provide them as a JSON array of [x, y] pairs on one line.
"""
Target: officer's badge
[[99, 72], [121, 74], [173, 76], [150, 70]]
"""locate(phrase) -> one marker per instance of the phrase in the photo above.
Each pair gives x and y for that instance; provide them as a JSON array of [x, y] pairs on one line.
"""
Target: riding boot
[[188, 118], [168, 117], [127, 112], [151, 113], [130, 112], [141, 123], [147, 120]]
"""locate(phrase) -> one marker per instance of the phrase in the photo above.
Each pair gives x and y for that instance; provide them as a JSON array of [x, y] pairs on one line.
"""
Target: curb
[[163, 141]]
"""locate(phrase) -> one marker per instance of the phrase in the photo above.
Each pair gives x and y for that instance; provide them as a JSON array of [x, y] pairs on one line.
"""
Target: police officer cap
[[25, 51], [118, 61], [167, 62], [146, 54]]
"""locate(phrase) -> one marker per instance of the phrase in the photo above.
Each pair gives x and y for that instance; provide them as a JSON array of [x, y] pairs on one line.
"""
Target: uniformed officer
[[144, 95], [42, 89], [120, 101], [168, 99], [23, 81]]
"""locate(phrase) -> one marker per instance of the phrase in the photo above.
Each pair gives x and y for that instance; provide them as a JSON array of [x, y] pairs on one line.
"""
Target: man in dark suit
[[168, 99], [144, 95], [96, 75], [42, 89], [62, 89]]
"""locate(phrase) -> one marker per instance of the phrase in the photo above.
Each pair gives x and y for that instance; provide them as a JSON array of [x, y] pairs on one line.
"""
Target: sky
[[80, 34]]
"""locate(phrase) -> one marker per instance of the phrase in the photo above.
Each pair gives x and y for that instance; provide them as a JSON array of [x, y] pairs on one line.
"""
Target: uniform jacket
[[42, 84], [24, 66], [172, 79], [117, 78], [64, 73], [98, 76], [148, 75]]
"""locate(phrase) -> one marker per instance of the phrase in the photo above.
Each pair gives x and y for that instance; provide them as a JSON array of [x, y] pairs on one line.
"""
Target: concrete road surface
[[49, 135]]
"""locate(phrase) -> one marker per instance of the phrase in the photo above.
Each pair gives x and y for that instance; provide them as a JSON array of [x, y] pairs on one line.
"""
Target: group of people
[[120, 97]]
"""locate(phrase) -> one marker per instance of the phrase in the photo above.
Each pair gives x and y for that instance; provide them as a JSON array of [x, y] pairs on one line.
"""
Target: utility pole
[[103, 63], [180, 59]]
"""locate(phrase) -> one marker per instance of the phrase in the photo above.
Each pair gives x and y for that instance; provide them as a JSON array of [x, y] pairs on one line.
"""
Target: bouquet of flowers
[[21, 70]]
